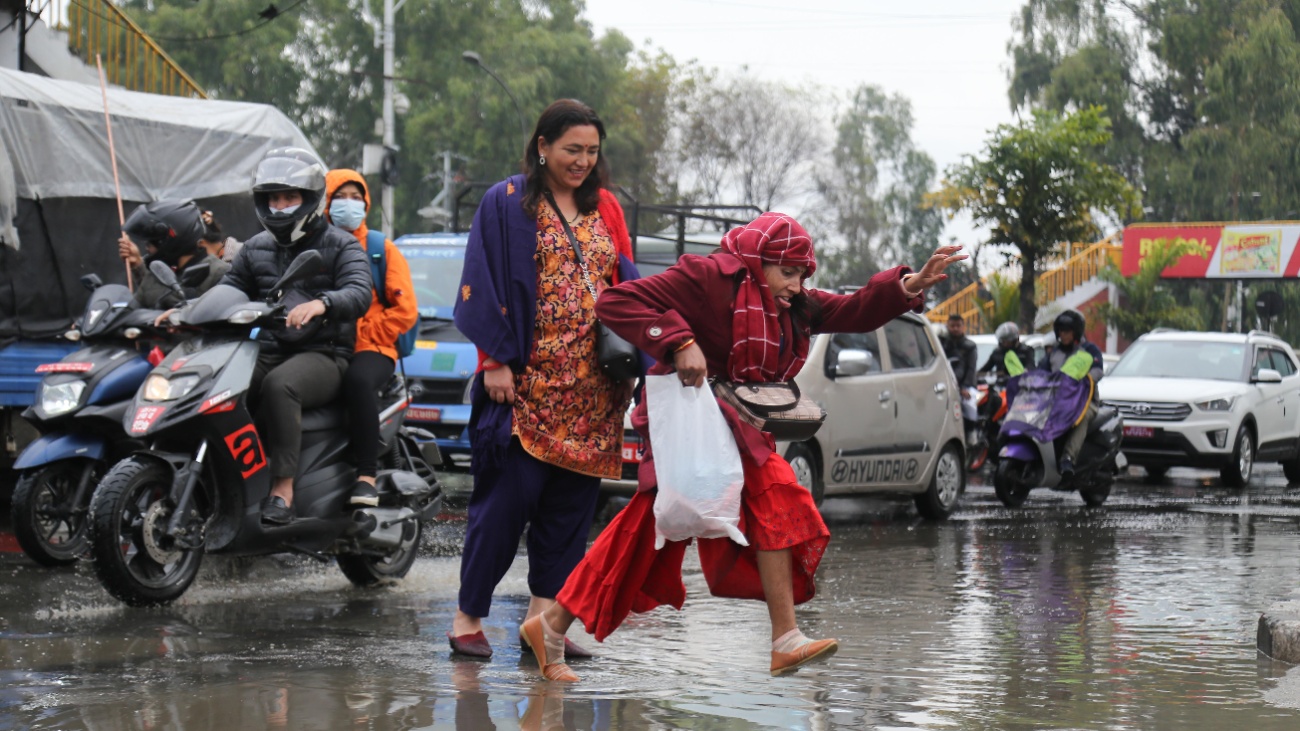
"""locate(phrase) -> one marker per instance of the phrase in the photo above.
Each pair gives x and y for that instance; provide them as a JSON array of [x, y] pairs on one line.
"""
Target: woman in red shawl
[[741, 314]]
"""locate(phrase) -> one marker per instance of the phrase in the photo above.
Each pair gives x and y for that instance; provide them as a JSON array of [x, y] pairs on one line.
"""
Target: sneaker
[[275, 511], [1067, 466], [364, 493]]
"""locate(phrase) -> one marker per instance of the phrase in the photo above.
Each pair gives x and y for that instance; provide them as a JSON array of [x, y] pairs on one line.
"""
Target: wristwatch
[[325, 298]]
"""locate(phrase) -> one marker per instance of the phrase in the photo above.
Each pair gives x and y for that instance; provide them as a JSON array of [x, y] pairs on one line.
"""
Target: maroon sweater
[[695, 299]]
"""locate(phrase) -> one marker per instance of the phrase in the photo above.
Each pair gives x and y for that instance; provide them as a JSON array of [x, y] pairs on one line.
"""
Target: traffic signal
[[388, 172]]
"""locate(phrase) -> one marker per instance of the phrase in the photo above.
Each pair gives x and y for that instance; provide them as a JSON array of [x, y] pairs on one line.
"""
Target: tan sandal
[[788, 662], [534, 636]]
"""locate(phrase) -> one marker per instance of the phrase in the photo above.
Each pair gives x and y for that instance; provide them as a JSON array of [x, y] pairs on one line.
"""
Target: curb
[[1278, 635]]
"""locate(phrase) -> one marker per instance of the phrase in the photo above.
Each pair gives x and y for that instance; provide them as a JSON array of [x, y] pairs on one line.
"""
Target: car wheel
[[804, 463], [1156, 475], [946, 485], [1291, 468], [1237, 474]]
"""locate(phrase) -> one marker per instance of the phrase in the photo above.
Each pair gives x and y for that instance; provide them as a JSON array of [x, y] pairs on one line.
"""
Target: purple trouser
[[555, 504]]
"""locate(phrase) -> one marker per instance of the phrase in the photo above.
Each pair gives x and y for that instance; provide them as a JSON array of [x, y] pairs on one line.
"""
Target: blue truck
[[440, 370]]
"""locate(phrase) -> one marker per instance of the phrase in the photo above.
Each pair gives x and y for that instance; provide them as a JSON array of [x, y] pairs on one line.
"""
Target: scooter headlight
[[60, 398], [243, 317], [161, 388]]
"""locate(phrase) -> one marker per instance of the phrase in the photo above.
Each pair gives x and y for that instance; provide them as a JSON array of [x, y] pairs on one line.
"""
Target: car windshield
[[435, 272], [1183, 359], [983, 350]]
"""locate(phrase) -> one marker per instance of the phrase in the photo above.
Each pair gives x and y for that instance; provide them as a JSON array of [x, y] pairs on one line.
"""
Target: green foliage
[[1203, 94], [1038, 184], [1146, 301], [1003, 302], [874, 189]]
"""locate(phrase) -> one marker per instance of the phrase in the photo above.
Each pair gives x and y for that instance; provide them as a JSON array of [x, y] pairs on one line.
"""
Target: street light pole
[[390, 131], [473, 59]]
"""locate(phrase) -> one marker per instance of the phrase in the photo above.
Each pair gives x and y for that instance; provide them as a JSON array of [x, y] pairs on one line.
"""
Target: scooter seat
[[326, 417]]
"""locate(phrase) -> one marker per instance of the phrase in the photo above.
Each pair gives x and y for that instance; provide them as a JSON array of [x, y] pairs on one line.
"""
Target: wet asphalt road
[[1138, 615]]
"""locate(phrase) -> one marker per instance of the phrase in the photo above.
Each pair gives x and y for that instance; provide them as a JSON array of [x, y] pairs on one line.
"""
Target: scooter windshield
[[1045, 405]]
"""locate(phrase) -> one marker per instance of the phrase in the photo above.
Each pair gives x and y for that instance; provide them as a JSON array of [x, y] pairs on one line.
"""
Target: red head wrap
[[765, 347]]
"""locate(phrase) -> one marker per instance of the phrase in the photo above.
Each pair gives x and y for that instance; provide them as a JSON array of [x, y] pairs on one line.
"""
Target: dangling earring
[[541, 160]]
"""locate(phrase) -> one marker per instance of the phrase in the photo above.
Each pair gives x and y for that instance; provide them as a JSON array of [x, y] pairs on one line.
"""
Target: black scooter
[[198, 486], [78, 409]]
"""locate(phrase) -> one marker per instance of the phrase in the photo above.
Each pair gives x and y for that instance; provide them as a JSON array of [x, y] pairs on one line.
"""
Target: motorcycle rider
[[963, 355], [1078, 359], [1009, 343], [300, 367], [170, 230]]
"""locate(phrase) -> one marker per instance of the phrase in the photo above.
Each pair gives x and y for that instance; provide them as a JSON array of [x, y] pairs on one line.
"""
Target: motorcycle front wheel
[[49, 527], [1010, 482], [135, 559]]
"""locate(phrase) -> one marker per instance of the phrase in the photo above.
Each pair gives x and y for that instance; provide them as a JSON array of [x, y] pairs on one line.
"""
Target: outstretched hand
[[931, 272]]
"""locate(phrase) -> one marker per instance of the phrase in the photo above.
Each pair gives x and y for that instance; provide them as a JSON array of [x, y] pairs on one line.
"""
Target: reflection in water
[[1139, 616]]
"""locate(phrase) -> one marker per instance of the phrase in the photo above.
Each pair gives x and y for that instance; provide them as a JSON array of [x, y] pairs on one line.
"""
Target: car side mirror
[[1267, 375], [854, 362]]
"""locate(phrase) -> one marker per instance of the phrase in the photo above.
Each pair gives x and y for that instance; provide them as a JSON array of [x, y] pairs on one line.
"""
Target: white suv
[[1218, 400]]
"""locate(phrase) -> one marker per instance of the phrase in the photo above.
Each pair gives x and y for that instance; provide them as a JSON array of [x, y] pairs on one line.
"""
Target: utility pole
[[390, 127]]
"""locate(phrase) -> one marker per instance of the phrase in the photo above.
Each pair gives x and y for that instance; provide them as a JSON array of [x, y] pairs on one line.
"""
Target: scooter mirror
[[164, 274], [91, 282], [195, 275], [306, 264]]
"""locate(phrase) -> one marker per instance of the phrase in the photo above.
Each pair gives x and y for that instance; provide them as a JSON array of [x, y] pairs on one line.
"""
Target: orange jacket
[[379, 328]]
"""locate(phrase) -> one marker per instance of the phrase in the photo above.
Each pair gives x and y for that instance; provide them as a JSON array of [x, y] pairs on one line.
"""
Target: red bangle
[[684, 345]]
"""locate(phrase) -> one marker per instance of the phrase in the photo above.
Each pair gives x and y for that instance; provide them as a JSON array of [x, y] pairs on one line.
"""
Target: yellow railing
[[131, 58], [1050, 286]]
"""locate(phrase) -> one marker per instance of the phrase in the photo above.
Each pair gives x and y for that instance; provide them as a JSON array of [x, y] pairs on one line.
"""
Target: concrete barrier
[[1278, 635]]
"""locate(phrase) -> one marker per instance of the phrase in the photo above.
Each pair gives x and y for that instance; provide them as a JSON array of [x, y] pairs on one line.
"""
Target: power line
[[190, 39]]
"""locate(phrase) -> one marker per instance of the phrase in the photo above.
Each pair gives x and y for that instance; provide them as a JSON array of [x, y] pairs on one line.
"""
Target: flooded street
[[1139, 615]]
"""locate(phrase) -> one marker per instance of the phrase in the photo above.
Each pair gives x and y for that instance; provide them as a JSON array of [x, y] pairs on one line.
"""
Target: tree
[[1201, 93], [1145, 301], [747, 138], [874, 187], [1039, 184], [303, 62]]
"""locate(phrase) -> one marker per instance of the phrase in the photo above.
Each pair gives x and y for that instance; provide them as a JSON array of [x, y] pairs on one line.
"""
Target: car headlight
[[60, 398], [160, 388], [1218, 404]]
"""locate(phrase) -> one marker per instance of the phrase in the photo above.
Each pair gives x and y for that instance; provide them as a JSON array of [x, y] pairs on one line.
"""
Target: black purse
[[617, 358]]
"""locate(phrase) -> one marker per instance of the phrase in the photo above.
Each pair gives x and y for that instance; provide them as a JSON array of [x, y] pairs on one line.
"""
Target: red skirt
[[624, 573]]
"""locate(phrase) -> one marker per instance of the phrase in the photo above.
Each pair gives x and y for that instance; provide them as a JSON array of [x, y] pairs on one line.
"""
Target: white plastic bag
[[696, 463]]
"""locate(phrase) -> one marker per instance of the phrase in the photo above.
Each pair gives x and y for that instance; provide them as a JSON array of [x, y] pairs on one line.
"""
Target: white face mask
[[287, 209]]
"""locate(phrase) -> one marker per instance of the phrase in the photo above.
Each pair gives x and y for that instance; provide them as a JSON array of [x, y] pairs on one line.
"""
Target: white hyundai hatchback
[[1218, 400]]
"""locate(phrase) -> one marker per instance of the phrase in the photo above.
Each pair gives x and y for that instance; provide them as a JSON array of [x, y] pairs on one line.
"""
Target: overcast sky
[[947, 56]]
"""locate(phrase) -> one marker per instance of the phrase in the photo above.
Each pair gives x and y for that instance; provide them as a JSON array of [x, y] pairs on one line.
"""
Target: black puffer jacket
[[344, 279]]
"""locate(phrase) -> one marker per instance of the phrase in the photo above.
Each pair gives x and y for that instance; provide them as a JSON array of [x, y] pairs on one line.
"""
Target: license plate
[[421, 414], [1142, 432], [630, 454]]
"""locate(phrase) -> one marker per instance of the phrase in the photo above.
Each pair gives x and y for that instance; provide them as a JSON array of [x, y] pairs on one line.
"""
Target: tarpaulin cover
[[58, 213], [1045, 405]]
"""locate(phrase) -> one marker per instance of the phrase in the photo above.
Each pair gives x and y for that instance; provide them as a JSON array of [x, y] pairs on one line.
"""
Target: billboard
[[1265, 250]]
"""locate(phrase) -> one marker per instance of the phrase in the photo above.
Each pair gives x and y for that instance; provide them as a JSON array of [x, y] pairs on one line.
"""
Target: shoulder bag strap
[[573, 241]]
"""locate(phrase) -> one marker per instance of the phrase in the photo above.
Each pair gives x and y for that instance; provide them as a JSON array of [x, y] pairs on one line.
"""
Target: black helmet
[[172, 226], [1069, 320], [290, 168]]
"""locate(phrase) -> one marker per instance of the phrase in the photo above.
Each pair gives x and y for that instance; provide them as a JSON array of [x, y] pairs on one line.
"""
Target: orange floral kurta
[[567, 413]]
